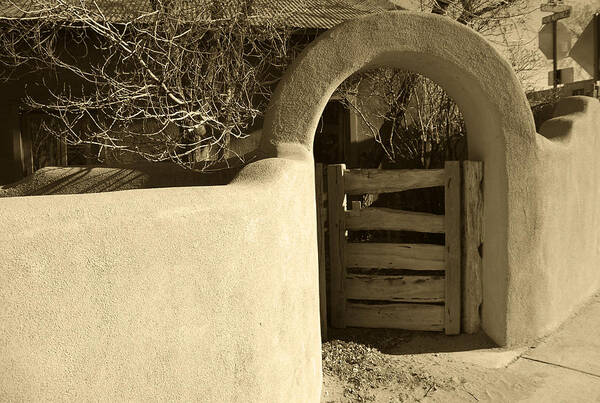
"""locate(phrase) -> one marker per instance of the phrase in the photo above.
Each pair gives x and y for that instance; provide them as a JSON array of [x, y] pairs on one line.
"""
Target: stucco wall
[[194, 294], [568, 271]]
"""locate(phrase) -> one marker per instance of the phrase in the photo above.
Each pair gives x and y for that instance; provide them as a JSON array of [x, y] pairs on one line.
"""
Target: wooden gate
[[416, 286]]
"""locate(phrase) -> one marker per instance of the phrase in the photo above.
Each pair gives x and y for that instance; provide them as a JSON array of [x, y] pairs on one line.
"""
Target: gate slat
[[359, 181], [396, 316], [395, 256], [453, 249], [379, 218], [321, 211], [472, 238], [337, 241], [395, 288]]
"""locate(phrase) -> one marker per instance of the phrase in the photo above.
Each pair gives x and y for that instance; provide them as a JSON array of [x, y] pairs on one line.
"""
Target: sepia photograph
[[311, 201]]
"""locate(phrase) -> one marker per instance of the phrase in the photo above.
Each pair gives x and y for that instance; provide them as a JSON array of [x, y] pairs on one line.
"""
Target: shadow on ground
[[400, 342]]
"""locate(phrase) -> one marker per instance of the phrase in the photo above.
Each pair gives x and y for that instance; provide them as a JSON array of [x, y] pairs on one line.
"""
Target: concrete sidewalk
[[568, 361], [563, 367]]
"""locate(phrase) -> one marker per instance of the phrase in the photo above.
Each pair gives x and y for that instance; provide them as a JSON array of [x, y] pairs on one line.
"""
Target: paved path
[[568, 361], [564, 367]]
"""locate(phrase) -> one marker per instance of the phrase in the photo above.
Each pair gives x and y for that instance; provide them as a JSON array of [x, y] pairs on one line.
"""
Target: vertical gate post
[[452, 227], [320, 196], [337, 241], [472, 238]]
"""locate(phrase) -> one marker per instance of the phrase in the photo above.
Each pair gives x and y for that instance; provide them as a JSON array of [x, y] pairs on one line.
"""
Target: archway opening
[[389, 119], [500, 127]]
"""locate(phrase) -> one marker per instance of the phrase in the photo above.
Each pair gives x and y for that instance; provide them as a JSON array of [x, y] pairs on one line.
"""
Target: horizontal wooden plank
[[396, 316], [359, 181], [395, 288], [379, 218], [395, 256]]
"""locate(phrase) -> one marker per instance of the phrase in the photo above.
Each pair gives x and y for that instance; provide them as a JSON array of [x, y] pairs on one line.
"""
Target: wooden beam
[[453, 250], [319, 192], [379, 218], [360, 181], [396, 316], [337, 241], [472, 296], [395, 288], [395, 256]]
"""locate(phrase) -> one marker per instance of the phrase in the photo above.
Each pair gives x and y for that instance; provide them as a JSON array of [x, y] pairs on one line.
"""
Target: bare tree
[[422, 126], [166, 83]]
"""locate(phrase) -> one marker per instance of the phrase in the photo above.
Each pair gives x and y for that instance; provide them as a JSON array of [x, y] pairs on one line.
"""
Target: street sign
[[564, 38], [556, 16], [582, 51], [554, 8]]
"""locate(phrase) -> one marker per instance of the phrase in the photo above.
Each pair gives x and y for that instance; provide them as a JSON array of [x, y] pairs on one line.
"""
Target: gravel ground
[[376, 365], [356, 370]]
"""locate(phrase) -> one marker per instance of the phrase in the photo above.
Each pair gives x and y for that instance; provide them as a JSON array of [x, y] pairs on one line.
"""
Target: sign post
[[559, 11], [596, 47]]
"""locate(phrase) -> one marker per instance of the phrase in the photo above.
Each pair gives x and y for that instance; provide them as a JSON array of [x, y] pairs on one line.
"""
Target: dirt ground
[[371, 365]]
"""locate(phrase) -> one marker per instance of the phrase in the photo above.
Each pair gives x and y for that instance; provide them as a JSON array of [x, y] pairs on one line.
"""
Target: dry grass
[[364, 370]]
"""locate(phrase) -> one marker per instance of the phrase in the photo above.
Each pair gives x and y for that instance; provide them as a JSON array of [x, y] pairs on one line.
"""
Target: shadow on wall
[[96, 179]]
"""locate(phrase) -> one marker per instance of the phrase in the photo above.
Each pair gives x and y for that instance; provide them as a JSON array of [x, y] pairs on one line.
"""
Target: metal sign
[[554, 7], [564, 39], [582, 51], [556, 16]]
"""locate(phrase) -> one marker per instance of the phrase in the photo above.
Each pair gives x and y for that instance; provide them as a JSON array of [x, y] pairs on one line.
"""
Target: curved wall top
[[500, 126]]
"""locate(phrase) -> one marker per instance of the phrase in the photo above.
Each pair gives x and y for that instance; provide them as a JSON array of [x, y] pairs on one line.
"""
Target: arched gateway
[[500, 126]]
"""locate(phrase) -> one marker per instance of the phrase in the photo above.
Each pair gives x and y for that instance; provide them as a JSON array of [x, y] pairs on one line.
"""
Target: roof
[[293, 13]]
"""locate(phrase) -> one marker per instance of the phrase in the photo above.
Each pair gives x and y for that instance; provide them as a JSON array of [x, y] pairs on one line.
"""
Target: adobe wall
[[568, 272], [175, 294]]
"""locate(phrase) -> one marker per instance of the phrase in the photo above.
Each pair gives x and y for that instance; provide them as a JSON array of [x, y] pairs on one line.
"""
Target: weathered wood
[[395, 256], [337, 241], [396, 316], [472, 238], [319, 191], [324, 210], [379, 218], [453, 248], [395, 288], [355, 211], [359, 181]]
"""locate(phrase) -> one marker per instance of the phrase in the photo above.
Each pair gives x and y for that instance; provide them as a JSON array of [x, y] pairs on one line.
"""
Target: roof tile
[[295, 13]]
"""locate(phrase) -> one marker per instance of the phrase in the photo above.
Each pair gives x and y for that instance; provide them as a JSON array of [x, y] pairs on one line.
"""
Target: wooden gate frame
[[459, 257]]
